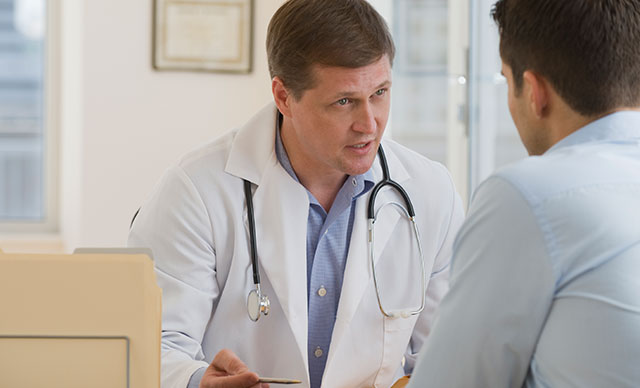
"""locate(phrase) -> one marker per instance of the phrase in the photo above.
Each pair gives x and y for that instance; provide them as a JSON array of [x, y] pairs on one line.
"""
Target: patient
[[545, 277]]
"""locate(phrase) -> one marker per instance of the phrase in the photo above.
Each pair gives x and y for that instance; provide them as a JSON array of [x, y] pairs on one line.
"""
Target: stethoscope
[[258, 303]]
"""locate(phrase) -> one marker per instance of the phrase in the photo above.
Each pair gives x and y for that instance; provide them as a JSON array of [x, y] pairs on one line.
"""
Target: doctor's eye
[[380, 92], [342, 101]]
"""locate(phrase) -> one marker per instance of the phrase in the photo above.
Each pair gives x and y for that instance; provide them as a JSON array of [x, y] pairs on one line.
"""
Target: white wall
[[123, 123]]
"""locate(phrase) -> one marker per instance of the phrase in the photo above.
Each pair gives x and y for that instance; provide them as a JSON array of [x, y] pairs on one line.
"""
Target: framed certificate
[[203, 35]]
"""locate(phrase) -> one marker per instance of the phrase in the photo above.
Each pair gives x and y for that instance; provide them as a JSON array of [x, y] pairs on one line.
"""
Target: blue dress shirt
[[545, 275]]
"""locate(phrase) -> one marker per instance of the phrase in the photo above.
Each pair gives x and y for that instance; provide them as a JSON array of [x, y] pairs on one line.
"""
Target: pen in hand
[[272, 380]]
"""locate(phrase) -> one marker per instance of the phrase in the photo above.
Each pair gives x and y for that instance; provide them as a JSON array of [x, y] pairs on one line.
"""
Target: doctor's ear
[[281, 96]]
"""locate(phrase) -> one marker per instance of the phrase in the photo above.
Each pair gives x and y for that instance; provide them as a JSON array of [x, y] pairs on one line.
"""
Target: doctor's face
[[335, 127]]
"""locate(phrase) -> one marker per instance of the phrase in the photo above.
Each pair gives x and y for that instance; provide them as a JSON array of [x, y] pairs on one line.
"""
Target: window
[[429, 93], [449, 99], [26, 157], [494, 140]]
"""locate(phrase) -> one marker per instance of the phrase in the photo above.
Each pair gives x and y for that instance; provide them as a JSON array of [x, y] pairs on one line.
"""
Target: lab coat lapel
[[280, 224], [358, 274], [280, 208], [253, 147]]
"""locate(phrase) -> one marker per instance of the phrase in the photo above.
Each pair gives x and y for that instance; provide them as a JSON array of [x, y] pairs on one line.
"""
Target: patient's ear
[[281, 96], [537, 90]]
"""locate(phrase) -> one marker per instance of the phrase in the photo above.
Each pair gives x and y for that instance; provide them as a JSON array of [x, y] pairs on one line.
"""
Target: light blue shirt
[[545, 276], [328, 237]]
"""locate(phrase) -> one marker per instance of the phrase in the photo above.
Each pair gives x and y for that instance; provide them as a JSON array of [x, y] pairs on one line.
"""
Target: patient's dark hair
[[304, 33], [589, 50]]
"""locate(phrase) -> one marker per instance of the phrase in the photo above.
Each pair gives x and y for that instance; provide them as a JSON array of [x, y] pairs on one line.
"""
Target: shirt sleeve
[[175, 224], [502, 285], [194, 381]]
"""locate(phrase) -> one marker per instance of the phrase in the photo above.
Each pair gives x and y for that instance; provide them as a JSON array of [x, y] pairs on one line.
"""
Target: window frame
[[49, 223]]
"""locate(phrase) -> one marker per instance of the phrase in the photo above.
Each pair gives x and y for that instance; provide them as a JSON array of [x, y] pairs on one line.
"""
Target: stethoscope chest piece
[[257, 303]]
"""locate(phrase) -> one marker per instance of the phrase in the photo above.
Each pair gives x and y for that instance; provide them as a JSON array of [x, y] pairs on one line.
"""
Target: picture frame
[[203, 35]]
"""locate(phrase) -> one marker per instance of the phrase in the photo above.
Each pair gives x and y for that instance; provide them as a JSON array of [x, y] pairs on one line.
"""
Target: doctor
[[310, 160]]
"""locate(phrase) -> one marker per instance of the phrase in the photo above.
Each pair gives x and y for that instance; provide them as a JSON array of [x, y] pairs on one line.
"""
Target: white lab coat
[[195, 223]]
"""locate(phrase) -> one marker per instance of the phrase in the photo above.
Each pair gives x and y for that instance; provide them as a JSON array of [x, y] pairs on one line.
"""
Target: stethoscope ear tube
[[410, 213]]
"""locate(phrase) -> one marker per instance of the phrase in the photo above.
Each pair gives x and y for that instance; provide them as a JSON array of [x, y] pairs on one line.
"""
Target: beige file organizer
[[82, 320]]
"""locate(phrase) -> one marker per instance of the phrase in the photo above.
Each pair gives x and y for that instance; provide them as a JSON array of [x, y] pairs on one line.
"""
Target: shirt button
[[354, 181], [322, 291], [318, 352]]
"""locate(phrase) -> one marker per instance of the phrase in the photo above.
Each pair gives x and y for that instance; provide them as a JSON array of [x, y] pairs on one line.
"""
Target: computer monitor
[[81, 320]]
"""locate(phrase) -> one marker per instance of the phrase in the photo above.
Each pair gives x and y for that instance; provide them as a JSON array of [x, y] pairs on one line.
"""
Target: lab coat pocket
[[400, 324], [397, 333]]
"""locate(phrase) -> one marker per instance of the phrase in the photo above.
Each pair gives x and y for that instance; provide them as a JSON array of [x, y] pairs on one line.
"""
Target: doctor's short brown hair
[[342, 33], [589, 50]]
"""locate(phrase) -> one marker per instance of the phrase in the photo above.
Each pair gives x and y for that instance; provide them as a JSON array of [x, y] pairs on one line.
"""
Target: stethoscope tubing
[[252, 232], [410, 213], [263, 301], [387, 181]]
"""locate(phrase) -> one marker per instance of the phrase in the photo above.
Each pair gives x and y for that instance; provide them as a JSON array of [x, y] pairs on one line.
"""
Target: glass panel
[[494, 140], [420, 79], [22, 28]]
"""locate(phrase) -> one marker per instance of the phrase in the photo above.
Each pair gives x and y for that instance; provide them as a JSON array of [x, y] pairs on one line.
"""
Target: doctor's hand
[[228, 371]]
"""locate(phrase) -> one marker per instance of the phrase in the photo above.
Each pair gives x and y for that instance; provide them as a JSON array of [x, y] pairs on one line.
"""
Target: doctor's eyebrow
[[383, 85]]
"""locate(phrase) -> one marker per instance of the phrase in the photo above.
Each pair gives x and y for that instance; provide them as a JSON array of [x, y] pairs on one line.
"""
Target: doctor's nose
[[365, 119]]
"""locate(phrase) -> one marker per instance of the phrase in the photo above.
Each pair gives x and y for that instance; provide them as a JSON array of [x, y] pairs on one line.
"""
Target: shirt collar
[[363, 182], [622, 125]]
